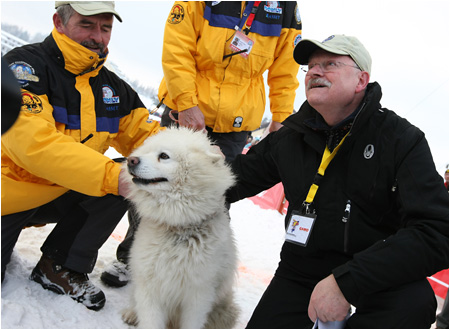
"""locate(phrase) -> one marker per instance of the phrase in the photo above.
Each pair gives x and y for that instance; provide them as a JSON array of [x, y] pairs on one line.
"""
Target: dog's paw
[[129, 317]]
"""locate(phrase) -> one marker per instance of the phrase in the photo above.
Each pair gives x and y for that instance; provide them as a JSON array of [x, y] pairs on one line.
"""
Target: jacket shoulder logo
[[176, 14], [297, 15], [369, 151], [31, 103], [23, 72]]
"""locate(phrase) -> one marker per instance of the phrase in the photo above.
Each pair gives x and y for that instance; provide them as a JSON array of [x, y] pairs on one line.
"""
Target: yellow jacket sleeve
[[282, 76], [178, 55], [34, 145]]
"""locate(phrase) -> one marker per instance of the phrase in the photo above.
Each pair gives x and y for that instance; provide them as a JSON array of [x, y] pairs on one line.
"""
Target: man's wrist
[[346, 283]]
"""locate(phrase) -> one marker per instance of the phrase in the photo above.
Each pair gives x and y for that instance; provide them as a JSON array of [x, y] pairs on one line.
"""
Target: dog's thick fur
[[183, 260]]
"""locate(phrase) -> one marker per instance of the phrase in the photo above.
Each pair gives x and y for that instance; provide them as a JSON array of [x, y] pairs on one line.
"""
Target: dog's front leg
[[194, 313], [150, 314]]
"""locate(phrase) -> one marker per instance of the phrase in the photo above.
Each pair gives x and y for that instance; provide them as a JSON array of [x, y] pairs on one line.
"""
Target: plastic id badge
[[241, 43], [299, 228]]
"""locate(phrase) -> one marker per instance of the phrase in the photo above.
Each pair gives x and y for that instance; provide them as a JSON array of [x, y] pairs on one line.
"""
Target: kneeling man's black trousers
[[83, 224], [284, 305]]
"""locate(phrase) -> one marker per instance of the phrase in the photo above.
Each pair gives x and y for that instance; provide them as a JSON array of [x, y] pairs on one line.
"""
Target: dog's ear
[[215, 154]]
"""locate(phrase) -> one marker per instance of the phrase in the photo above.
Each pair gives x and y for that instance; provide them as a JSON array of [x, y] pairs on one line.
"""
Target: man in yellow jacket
[[53, 168], [214, 57]]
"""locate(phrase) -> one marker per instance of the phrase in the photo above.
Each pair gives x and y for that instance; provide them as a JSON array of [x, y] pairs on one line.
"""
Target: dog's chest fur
[[185, 252], [190, 236]]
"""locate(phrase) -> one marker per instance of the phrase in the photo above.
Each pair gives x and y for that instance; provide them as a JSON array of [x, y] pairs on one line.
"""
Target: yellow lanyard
[[326, 159]]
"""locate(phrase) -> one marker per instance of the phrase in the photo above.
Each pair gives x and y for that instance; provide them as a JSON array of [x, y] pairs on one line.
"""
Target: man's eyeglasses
[[327, 66]]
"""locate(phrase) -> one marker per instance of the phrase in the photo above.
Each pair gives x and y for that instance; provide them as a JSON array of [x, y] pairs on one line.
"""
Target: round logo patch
[[109, 96], [369, 151], [23, 72], [31, 103], [176, 14]]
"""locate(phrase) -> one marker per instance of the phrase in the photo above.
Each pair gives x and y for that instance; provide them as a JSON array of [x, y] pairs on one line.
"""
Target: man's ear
[[58, 23], [364, 78]]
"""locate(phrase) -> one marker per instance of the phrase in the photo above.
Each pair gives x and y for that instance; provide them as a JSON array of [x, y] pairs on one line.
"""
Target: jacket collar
[[76, 59]]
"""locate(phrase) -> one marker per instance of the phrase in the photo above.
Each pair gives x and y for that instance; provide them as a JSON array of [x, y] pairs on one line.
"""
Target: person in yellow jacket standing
[[214, 56], [53, 168]]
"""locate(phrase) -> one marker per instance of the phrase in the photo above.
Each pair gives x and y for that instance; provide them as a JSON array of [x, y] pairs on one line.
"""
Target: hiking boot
[[116, 274], [62, 280]]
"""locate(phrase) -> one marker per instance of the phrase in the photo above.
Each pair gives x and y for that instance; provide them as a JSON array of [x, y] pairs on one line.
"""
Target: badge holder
[[241, 44], [300, 226]]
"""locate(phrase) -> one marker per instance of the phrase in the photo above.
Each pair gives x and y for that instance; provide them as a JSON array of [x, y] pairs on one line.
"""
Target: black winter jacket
[[398, 227]]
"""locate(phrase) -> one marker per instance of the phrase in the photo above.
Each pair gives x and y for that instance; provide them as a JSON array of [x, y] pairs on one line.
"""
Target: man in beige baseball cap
[[89, 8], [370, 209], [336, 44]]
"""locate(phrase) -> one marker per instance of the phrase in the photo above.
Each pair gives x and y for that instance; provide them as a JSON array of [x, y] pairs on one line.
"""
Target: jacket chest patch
[[273, 7], [109, 96], [369, 151]]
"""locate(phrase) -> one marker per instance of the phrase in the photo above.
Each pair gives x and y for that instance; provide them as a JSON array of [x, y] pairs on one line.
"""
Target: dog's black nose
[[133, 161]]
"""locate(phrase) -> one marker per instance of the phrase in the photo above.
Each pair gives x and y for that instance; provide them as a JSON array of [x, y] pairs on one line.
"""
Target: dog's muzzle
[[133, 163]]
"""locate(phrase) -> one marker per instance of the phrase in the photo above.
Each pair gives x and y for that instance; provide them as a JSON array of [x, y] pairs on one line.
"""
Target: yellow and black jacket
[[73, 110], [230, 91]]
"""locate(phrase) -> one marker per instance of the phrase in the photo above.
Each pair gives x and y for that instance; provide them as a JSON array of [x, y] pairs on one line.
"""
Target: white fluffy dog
[[183, 260]]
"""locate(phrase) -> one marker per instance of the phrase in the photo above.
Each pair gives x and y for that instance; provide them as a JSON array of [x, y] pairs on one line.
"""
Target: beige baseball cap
[[89, 8], [336, 44]]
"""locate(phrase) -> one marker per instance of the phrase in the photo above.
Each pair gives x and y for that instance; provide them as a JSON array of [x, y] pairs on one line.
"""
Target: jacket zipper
[[87, 138], [346, 217], [346, 221]]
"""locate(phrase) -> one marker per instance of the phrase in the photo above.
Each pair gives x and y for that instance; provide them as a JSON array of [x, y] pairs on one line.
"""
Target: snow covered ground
[[259, 234]]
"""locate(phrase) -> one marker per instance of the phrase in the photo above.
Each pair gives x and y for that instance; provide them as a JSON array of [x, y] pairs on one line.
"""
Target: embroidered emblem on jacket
[[31, 103], [238, 122], [176, 14], [23, 72], [297, 15], [273, 7], [369, 151], [297, 39], [109, 96]]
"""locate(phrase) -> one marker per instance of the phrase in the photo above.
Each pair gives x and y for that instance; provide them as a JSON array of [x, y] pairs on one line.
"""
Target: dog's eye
[[163, 155]]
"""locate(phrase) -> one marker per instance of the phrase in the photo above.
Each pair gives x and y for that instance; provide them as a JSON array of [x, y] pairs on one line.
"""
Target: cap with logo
[[336, 44], [89, 8]]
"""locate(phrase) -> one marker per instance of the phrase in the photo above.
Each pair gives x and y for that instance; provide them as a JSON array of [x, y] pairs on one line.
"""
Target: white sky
[[409, 41]]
